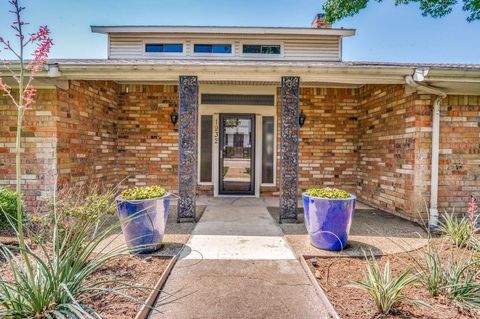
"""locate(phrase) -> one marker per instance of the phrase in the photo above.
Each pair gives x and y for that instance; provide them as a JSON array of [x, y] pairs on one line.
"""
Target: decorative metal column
[[187, 145], [289, 136]]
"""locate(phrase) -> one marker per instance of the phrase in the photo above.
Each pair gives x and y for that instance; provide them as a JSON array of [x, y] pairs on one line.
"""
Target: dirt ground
[[134, 270], [141, 271], [336, 274]]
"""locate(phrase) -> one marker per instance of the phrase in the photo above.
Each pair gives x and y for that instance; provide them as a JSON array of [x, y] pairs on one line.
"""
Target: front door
[[237, 154]]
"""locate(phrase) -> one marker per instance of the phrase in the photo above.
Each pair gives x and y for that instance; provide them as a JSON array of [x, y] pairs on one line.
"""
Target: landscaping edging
[[149, 303], [333, 313]]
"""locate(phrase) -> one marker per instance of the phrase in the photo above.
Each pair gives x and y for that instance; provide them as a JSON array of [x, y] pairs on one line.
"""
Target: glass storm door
[[237, 154]]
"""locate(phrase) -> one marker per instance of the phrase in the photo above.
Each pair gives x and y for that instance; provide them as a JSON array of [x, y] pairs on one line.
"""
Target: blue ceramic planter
[[328, 221], [144, 222]]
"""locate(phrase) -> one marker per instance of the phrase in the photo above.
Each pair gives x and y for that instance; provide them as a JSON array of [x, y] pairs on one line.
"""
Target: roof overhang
[[222, 30], [455, 80]]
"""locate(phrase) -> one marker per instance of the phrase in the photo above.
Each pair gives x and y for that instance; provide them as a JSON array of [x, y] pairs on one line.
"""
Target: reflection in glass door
[[237, 154]]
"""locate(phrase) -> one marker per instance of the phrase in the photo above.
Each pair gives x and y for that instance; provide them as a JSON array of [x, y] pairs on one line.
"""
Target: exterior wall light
[[174, 117], [301, 118]]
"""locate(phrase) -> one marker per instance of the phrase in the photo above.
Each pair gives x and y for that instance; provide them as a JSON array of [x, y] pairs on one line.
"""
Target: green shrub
[[327, 193], [138, 193], [8, 207], [452, 276], [386, 290], [459, 230], [73, 205]]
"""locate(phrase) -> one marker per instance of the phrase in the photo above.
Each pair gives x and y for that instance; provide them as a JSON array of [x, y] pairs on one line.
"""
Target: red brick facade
[[147, 139], [87, 133], [328, 151], [459, 151], [374, 141], [38, 143], [393, 165]]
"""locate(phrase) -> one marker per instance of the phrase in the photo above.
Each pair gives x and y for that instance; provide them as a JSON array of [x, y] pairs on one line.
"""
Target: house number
[[216, 131]]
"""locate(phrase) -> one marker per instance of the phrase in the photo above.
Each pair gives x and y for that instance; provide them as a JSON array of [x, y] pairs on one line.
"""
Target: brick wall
[[375, 141], [327, 147], [147, 140], [391, 160], [38, 142], [459, 152], [87, 133]]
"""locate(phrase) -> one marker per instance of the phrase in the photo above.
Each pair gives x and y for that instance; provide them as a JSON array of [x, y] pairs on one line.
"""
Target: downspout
[[433, 211]]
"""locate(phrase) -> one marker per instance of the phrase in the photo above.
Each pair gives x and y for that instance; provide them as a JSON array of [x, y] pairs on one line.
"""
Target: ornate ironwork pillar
[[187, 145], [289, 136]]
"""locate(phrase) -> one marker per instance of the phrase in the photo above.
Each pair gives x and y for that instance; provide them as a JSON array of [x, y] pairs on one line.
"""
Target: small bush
[[74, 205], [386, 290], [333, 193], [459, 230], [138, 193], [452, 276], [8, 207]]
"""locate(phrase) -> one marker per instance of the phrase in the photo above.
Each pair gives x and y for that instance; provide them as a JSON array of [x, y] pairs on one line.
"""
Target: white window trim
[[215, 110], [259, 55], [193, 53], [164, 54]]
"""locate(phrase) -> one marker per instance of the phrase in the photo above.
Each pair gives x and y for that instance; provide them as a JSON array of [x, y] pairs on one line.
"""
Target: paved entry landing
[[238, 264], [246, 233]]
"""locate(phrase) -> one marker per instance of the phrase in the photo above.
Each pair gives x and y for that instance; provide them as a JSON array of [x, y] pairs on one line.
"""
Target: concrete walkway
[[237, 264], [245, 233]]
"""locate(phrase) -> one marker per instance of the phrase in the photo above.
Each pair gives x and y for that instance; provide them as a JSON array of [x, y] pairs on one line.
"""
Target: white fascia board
[[231, 73], [222, 30], [266, 73]]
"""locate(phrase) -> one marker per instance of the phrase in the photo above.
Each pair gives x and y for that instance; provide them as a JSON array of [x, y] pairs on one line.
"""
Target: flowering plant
[[472, 211], [23, 72]]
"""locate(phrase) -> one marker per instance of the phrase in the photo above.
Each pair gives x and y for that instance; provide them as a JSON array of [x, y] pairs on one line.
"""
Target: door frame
[[253, 156], [215, 110]]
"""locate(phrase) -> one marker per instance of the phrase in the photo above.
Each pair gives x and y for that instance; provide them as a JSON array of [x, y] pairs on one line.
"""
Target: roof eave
[[267, 73], [222, 30]]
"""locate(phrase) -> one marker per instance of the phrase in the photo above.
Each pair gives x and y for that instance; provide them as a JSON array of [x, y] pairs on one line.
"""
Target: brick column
[[187, 145], [289, 136]]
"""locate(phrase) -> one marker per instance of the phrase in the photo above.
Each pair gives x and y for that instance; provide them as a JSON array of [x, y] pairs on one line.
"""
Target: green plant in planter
[[333, 193], [8, 207], [138, 193]]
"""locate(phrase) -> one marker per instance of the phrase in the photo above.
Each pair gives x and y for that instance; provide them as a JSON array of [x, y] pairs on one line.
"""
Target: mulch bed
[[335, 274], [8, 237], [142, 271], [136, 270]]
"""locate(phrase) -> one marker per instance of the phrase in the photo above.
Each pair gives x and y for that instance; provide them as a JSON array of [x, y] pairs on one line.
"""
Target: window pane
[[261, 49], [206, 149], [252, 48], [202, 48], [164, 47], [173, 48], [222, 48], [270, 49], [154, 48], [268, 142], [212, 48]]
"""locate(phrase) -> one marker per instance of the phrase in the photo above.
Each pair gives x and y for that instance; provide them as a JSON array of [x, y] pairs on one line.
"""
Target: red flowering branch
[[472, 211], [43, 43], [23, 73]]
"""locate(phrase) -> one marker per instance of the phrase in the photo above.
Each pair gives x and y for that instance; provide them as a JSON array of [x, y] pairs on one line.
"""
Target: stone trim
[[187, 145], [289, 142]]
